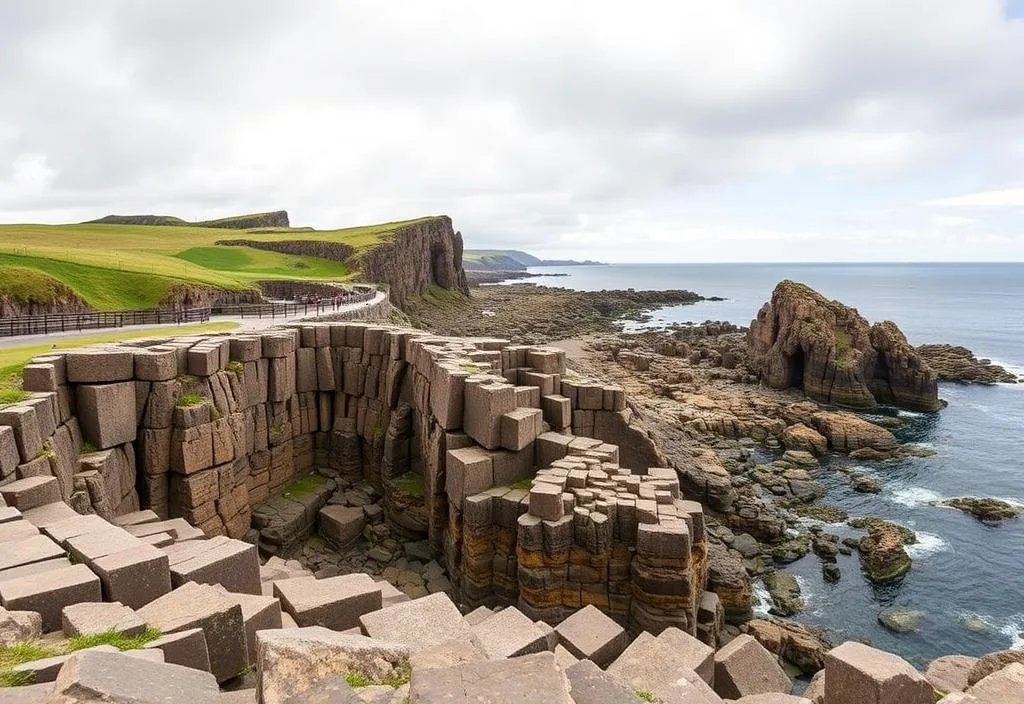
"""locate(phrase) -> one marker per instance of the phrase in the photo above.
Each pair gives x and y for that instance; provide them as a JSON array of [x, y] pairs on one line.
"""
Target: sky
[[690, 130]]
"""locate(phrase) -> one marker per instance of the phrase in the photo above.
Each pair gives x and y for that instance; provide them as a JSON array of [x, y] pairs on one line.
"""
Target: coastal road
[[245, 324]]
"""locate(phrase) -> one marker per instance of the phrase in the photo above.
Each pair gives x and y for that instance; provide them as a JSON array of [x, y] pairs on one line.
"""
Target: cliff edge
[[801, 339]]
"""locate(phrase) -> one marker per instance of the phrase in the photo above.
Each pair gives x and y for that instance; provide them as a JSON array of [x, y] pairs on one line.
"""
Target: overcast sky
[[724, 130]]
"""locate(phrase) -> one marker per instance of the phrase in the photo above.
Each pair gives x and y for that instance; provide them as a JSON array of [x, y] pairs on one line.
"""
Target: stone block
[[447, 654], [531, 679], [106, 413], [178, 528], [546, 501], [8, 514], [950, 673], [341, 525], [552, 447], [95, 676], [90, 618], [1005, 686], [547, 384], [135, 576], [557, 411], [186, 648], [47, 593], [591, 635], [10, 458], [39, 377], [24, 424], [469, 471], [511, 467], [859, 674], [547, 360], [590, 685], [507, 634], [19, 626], [653, 665], [259, 613], [486, 401], [48, 514], [136, 518], [420, 623], [590, 397], [519, 428], [336, 602], [192, 449], [27, 550], [696, 655], [281, 379], [72, 527], [99, 366], [203, 606], [664, 540], [447, 394], [744, 667], [219, 560], [528, 397], [244, 348], [46, 670], [16, 530], [156, 364], [94, 545], [305, 370], [203, 360], [292, 660]]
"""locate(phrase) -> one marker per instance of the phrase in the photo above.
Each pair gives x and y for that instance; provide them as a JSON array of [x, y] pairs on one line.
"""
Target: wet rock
[[987, 510], [955, 363], [785, 593], [794, 642], [792, 550], [802, 437], [847, 432], [901, 620], [864, 484], [881, 553], [830, 572]]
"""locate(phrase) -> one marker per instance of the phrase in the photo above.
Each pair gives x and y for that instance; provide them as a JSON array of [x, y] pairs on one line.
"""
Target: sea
[[967, 578]]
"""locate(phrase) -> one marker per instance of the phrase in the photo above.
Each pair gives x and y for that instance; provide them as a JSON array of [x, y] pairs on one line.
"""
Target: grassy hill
[[498, 259], [130, 265]]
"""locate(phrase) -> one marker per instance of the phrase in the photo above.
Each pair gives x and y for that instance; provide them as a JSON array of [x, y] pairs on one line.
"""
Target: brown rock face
[[801, 339], [425, 253], [791, 641]]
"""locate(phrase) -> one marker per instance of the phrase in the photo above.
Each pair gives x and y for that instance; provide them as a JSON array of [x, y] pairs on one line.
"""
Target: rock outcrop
[[25, 291], [276, 218], [424, 254], [956, 363], [801, 339]]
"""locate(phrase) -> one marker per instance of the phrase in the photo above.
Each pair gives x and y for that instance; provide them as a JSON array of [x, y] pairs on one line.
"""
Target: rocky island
[[509, 500]]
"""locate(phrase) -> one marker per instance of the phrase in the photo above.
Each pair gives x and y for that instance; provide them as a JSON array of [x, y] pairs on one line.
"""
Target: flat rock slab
[[89, 618], [16, 530], [203, 606], [335, 602], [649, 664], [135, 576], [341, 525], [420, 623], [30, 493], [531, 679], [259, 613], [91, 546], [116, 677], [590, 685], [49, 592], [589, 634], [231, 563], [291, 661], [331, 690], [744, 667], [950, 672], [697, 656], [509, 633], [186, 648], [859, 674], [72, 527]]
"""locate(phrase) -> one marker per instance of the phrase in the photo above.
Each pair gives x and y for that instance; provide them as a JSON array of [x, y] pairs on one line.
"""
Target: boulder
[[335, 602], [341, 525], [291, 661], [801, 339], [882, 554], [804, 438], [993, 662], [589, 685], [589, 634], [847, 432], [531, 679], [859, 674], [950, 673], [785, 593], [900, 620], [509, 633], [420, 623], [791, 641], [1005, 686], [17, 626], [93, 676], [744, 667]]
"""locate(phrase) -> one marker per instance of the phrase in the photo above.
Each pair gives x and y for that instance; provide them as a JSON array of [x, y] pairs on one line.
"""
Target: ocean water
[[965, 573]]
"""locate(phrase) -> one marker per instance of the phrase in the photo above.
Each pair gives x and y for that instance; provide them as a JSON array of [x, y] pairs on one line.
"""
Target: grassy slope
[[98, 261], [477, 255]]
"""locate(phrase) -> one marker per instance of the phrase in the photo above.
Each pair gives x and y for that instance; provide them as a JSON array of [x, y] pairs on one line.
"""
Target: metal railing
[[290, 309], [72, 322]]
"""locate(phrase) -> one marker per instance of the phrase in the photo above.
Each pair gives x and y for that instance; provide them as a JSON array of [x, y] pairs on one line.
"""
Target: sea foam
[[927, 544], [914, 496]]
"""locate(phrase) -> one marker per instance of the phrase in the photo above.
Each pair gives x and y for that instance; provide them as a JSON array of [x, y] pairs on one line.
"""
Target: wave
[[927, 544], [1012, 368], [1014, 630], [914, 496], [764, 600]]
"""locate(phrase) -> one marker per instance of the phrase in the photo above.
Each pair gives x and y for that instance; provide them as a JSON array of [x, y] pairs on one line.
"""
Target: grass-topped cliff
[[145, 261]]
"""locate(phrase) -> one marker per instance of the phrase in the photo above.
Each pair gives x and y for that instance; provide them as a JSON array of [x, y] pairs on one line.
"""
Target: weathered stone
[[950, 672], [520, 428], [696, 655], [336, 603], [219, 560], [653, 665], [116, 677], [1005, 686], [531, 679], [91, 618], [589, 685], [447, 654], [546, 502], [49, 592], [25, 426], [859, 674], [30, 493], [341, 525], [992, 663], [591, 635], [509, 633], [469, 471], [419, 623], [292, 660], [486, 401], [186, 648], [19, 626], [106, 413], [135, 576], [99, 366], [744, 667], [28, 549]]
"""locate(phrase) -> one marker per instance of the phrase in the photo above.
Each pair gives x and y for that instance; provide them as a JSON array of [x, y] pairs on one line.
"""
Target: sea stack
[[801, 339]]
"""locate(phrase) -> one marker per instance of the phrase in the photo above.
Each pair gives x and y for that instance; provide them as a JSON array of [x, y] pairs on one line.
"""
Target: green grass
[[133, 266], [844, 349], [356, 680], [525, 483], [29, 651], [645, 694], [439, 294], [118, 640], [306, 486], [397, 679], [9, 396], [411, 484], [236, 367], [13, 359], [189, 400]]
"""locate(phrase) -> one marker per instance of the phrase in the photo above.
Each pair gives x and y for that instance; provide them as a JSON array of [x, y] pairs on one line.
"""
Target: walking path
[[247, 323]]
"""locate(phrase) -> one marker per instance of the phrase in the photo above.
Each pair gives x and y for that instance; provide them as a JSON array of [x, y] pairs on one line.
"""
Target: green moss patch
[[411, 484]]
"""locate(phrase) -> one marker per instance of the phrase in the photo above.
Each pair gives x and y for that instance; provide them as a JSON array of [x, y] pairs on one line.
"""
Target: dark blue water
[[962, 568]]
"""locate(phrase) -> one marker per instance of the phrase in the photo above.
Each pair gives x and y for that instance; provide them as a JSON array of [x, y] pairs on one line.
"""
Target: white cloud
[[569, 128], [1004, 198]]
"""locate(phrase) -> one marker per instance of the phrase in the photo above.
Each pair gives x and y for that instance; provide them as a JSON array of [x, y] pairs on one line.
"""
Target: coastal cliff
[[801, 339], [420, 255]]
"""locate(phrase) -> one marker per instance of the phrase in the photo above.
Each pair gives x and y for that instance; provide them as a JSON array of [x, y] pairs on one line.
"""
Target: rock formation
[[956, 363], [801, 339]]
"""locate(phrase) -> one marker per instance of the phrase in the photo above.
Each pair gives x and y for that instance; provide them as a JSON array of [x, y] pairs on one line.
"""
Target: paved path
[[248, 323]]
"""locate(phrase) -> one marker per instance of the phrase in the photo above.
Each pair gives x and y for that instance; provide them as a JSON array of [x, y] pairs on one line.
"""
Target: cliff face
[[420, 255], [801, 339]]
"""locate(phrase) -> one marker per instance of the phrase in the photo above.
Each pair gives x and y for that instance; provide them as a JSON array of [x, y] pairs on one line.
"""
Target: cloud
[[569, 128], [1004, 198]]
